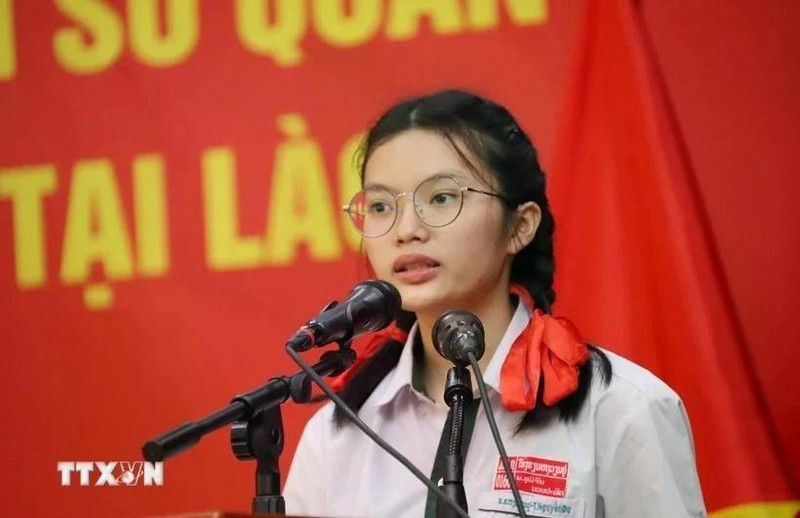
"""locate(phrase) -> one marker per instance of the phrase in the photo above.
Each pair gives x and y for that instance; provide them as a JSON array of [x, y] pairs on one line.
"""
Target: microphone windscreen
[[457, 333]]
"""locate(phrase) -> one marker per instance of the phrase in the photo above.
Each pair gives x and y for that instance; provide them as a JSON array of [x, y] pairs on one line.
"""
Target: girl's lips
[[415, 268], [418, 274]]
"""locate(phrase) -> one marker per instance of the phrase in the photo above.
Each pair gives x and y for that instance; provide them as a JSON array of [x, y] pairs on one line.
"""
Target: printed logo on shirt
[[503, 502], [534, 475]]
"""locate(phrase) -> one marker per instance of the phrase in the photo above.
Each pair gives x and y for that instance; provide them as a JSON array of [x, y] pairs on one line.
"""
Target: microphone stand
[[457, 395], [257, 431]]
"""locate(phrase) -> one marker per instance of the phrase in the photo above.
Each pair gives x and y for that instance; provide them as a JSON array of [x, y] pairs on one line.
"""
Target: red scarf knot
[[549, 348]]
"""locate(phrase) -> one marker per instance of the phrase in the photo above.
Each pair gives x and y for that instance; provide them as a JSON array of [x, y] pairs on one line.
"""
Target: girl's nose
[[408, 226]]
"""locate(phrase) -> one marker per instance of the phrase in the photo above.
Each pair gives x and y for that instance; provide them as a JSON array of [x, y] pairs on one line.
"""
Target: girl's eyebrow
[[443, 173], [376, 185]]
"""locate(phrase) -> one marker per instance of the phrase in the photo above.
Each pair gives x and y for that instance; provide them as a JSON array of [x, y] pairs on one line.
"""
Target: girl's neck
[[494, 312]]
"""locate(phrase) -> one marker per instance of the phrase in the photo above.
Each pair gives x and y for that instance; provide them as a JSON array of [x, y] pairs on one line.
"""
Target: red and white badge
[[534, 475]]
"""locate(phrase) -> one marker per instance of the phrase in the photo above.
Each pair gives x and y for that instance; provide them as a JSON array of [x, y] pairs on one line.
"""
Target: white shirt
[[628, 454]]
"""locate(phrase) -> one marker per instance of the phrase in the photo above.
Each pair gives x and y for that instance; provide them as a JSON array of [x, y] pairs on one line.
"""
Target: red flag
[[636, 263]]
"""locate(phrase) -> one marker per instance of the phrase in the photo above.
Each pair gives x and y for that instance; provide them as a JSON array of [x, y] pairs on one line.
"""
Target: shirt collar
[[515, 328], [400, 377]]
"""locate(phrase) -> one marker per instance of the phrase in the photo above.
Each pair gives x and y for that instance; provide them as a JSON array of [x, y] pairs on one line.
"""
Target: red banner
[[170, 180]]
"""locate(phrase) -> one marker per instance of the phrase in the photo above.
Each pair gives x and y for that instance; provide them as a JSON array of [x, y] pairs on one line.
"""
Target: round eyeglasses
[[437, 201]]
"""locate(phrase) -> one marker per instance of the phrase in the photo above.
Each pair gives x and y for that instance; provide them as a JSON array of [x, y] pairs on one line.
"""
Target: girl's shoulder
[[630, 377], [633, 393]]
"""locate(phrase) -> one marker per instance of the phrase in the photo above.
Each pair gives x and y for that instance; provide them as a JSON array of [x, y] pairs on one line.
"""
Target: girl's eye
[[441, 198], [379, 207]]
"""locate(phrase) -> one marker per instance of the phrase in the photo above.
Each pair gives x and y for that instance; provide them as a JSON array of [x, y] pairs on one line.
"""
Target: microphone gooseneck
[[458, 336]]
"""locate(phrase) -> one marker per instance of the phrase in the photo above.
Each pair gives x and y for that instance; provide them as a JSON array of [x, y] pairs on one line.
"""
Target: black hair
[[491, 135]]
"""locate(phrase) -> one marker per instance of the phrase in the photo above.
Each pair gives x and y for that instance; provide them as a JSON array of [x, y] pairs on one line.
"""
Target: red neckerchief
[[549, 348], [368, 345]]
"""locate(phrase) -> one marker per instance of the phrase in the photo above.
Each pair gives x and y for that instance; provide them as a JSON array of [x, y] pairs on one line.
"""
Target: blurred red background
[[179, 339]]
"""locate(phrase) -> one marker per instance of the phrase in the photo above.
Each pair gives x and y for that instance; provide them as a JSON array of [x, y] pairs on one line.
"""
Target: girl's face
[[437, 268]]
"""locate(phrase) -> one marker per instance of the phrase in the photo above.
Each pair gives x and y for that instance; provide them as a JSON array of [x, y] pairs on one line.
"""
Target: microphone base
[[268, 505], [454, 490]]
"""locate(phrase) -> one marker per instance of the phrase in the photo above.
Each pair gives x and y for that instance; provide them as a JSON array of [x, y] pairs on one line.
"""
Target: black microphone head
[[373, 305], [370, 306], [457, 333]]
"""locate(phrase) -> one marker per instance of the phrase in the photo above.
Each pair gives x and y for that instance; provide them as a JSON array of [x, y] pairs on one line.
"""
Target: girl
[[453, 213]]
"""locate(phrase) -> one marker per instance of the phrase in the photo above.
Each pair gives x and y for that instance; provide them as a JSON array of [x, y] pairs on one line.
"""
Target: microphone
[[459, 337], [457, 333], [370, 306]]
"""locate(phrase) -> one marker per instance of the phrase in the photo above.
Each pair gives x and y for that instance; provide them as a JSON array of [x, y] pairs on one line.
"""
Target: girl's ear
[[527, 217]]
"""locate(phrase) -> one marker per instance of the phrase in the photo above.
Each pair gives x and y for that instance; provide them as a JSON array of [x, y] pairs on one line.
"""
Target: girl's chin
[[424, 303]]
